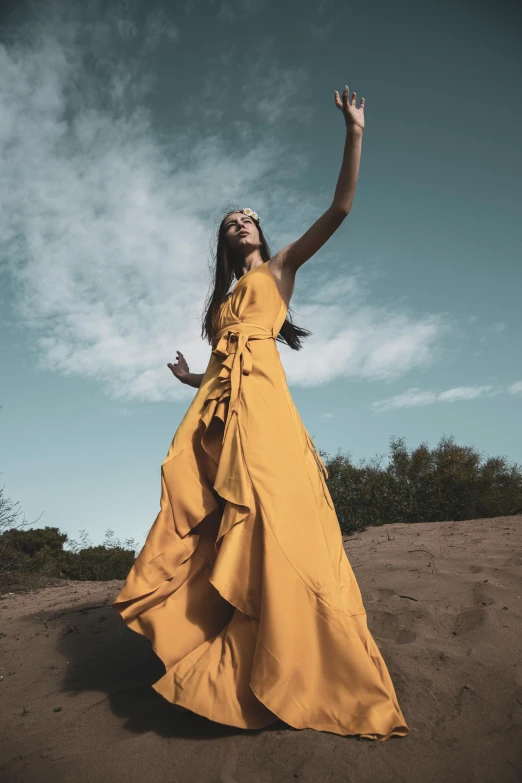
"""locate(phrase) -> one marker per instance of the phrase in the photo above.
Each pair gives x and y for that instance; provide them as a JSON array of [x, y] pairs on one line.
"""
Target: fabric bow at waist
[[234, 350]]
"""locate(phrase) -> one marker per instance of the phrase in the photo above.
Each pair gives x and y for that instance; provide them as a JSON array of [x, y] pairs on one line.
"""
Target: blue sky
[[126, 132]]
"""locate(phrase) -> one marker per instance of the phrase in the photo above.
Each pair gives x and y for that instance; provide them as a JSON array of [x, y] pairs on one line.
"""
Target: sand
[[444, 606]]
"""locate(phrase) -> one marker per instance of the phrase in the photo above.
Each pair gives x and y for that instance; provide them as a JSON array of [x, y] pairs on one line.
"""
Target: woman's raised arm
[[296, 253]]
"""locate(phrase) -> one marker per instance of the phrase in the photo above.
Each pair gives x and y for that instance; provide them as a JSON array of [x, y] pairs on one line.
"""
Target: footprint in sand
[[465, 699], [376, 595], [515, 711], [464, 702], [481, 596], [385, 592], [386, 626], [470, 620]]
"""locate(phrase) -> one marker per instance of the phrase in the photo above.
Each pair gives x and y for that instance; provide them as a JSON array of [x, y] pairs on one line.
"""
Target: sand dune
[[444, 606]]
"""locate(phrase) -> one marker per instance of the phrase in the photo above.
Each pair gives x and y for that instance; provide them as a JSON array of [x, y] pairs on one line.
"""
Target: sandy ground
[[444, 606]]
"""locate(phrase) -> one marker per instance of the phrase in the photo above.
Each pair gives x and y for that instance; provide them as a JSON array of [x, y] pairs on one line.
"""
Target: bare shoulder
[[284, 275]]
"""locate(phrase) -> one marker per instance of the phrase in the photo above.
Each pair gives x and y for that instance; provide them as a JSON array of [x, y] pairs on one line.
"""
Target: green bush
[[97, 563], [448, 482], [40, 552]]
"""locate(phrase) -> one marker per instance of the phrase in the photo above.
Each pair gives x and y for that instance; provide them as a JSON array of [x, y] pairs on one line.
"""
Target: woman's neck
[[250, 261]]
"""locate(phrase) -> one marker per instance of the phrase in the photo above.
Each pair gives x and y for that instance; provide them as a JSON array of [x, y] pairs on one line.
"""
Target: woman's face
[[240, 232]]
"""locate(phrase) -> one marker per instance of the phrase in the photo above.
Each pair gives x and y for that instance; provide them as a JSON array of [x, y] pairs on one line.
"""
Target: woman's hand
[[181, 369], [353, 116]]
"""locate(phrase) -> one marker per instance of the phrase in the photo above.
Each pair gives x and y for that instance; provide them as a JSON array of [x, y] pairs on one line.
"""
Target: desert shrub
[[40, 552], [14, 561], [110, 560], [447, 482]]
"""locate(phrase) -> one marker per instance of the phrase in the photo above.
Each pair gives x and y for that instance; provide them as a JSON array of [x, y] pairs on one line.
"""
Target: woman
[[243, 585]]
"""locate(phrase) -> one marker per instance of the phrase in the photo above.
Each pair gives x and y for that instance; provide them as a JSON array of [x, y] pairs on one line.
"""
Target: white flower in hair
[[251, 213]]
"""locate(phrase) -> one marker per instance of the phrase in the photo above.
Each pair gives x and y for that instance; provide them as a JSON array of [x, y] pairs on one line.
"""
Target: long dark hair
[[225, 268]]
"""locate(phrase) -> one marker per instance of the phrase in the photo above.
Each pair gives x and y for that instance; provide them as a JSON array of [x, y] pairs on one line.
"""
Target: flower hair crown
[[250, 213]]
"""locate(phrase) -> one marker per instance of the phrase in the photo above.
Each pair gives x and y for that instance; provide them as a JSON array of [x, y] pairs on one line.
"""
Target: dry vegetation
[[446, 483]]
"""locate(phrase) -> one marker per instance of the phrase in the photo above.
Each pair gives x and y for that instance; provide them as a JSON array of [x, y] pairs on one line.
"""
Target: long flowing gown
[[243, 585]]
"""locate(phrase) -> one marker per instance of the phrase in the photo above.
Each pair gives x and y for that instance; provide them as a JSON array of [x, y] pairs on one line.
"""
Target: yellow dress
[[256, 614]]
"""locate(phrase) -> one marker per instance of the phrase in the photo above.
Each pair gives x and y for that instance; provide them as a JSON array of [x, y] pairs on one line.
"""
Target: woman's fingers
[[181, 364], [344, 102]]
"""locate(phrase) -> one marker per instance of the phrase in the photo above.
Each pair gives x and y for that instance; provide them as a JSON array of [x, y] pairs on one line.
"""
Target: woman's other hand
[[180, 369]]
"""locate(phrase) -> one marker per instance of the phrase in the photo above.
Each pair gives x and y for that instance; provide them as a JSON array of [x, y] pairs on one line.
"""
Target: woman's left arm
[[296, 253]]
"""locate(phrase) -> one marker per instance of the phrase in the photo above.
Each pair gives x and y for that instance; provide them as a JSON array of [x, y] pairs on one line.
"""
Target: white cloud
[[415, 397], [232, 10], [463, 393], [264, 92], [515, 388], [271, 101], [409, 399], [105, 229], [352, 338], [225, 10]]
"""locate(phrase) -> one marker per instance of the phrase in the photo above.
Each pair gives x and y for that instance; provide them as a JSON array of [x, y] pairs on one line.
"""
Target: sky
[[128, 129]]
